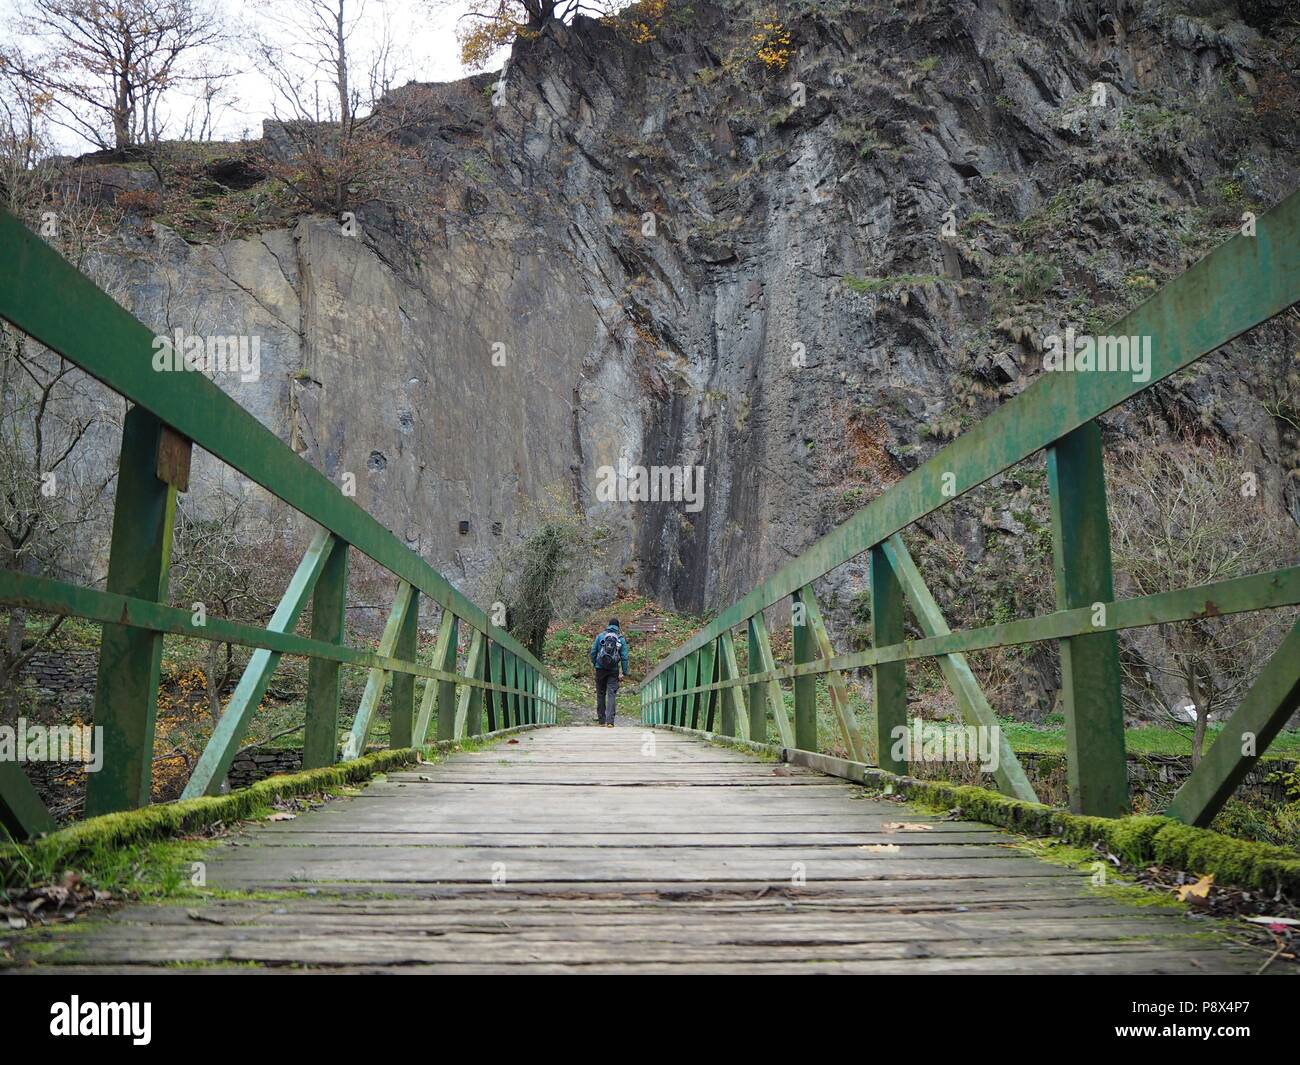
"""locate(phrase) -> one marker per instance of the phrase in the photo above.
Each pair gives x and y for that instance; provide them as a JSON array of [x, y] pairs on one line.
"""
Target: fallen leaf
[[1274, 920], [1199, 890], [17, 922], [880, 848], [905, 826], [281, 815]]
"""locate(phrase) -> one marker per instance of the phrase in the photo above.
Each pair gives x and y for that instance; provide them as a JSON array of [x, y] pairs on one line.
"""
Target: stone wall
[[257, 763], [62, 678]]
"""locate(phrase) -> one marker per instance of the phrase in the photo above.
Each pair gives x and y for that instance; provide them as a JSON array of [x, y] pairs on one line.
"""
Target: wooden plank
[[637, 863], [966, 690]]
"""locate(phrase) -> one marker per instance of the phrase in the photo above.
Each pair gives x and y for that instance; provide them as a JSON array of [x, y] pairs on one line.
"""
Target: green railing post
[[469, 712], [496, 719], [854, 742], [771, 689], [329, 605], [1090, 674], [126, 691], [754, 696], [735, 721], [22, 814], [447, 688], [377, 676], [805, 687], [511, 699], [708, 674], [888, 679], [401, 727]]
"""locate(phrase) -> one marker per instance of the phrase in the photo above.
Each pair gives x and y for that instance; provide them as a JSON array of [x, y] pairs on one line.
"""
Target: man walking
[[608, 651]]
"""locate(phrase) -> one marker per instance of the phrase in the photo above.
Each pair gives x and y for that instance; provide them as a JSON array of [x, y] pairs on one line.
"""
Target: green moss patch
[[44, 859], [1139, 840]]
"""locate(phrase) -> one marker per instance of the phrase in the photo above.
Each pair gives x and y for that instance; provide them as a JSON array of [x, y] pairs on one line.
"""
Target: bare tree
[[340, 147], [107, 67], [25, 143], [220, 557], [1184, 514]]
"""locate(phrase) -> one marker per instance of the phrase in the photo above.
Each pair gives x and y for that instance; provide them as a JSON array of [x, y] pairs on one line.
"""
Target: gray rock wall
[[522, 226]]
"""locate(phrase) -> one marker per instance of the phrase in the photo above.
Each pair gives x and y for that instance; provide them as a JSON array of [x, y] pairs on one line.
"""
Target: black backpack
[[608, 654]]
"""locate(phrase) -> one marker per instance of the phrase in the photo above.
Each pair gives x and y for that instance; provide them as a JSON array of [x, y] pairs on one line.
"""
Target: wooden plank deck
[[574, 850]]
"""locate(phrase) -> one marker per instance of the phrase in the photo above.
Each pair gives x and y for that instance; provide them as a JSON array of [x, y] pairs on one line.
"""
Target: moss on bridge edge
[[1140, 839], [66, 847]]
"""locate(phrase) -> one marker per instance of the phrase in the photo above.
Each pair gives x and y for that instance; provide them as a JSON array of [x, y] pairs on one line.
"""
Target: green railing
[[49, 300], [1244, 282]]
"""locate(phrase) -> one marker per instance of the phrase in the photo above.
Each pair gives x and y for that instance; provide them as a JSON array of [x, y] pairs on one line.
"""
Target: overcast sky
[[427, 37]]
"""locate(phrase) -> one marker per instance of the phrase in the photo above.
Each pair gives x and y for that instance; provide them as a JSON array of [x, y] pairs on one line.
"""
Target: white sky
[[426, 33]]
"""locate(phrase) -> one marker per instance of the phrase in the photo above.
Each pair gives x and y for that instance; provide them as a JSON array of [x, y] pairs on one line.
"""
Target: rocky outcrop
[[693, 251]]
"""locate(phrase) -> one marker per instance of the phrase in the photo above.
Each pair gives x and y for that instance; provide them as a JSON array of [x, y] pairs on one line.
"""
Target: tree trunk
[[214, 683]]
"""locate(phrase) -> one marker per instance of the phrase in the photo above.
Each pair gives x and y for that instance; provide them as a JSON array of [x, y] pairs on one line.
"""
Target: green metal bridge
[[689, 819]]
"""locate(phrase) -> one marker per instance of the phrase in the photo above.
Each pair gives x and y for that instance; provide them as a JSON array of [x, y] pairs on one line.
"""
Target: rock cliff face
[[715, 249]]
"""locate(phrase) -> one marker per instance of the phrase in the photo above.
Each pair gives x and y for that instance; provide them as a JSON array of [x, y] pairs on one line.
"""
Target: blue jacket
[[622, 647]]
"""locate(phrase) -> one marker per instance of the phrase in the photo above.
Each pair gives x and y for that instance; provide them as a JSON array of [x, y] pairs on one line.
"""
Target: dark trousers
[[606, 691]]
